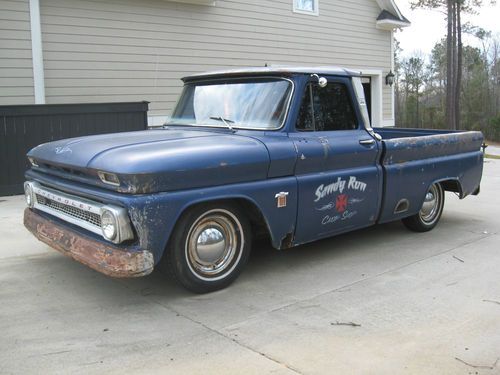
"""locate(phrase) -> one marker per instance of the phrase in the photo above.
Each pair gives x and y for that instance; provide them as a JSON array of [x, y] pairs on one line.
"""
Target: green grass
[[489, 156]]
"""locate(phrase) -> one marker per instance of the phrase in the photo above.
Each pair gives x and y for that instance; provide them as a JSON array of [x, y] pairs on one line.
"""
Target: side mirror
[[322, 81]]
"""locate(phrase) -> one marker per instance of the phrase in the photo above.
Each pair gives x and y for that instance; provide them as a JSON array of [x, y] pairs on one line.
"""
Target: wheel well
[[452, 185], [258, 223]]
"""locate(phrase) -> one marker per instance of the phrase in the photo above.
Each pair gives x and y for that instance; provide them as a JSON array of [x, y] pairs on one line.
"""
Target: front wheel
[[430, 213], [209, 247]]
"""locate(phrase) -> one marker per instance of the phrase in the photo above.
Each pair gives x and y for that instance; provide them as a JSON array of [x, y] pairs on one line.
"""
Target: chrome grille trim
[[80, 211], [75, 212]]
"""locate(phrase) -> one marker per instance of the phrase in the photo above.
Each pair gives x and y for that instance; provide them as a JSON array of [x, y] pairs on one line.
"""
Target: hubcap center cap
[[210, 246], [430, 210], [429, 204]]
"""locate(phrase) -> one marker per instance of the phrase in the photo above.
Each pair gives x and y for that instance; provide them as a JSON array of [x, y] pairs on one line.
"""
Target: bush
[[491, 129]]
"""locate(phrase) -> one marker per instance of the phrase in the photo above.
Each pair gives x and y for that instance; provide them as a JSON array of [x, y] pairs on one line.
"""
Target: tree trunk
[[449, 67], [454, 62], [407, 95], [458, 81]]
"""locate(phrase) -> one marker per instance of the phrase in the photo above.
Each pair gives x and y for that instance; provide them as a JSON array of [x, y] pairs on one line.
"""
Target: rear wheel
[[430, 213], [209, 247]]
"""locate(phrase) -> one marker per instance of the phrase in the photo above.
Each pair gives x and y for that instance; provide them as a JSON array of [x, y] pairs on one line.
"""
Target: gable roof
[[391, 17]]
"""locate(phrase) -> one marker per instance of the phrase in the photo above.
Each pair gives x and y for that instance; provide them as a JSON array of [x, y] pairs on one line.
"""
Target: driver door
[[337, 168]]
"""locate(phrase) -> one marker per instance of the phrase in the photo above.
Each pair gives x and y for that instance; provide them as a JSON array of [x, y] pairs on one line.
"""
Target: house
[[90, 51]]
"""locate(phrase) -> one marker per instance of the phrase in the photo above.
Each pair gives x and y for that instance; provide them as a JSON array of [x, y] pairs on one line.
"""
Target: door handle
[[367, 142]]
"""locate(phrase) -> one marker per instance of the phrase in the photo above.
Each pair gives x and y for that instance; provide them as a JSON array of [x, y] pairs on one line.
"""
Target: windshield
[[257, 104]]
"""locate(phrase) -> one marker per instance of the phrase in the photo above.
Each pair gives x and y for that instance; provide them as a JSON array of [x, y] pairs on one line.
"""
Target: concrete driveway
[[378, 301]]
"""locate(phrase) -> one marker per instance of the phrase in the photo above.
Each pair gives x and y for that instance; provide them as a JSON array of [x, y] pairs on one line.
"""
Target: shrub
[[490, 129]]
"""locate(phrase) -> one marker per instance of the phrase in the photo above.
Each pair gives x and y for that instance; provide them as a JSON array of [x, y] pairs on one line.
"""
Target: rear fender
[[411, 180]]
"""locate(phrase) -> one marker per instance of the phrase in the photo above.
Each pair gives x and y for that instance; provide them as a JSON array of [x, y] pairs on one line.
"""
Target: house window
[[306, 7]]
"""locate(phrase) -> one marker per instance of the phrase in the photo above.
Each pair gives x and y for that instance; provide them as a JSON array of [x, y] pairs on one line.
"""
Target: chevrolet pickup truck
[[287, 152]]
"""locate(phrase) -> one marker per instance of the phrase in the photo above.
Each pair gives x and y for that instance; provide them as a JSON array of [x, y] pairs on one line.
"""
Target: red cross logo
[[341, 203]]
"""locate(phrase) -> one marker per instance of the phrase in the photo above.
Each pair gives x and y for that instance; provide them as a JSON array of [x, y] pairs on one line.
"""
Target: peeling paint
[[287, 241], [411, 148]]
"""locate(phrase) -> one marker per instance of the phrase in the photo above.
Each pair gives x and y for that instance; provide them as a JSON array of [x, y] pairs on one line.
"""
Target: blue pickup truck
[[284, 152]]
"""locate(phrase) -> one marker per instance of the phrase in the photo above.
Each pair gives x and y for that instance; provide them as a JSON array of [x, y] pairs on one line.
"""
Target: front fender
[[155, 216]]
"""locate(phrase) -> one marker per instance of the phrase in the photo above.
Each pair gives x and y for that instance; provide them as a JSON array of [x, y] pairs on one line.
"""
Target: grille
[[75, 212]]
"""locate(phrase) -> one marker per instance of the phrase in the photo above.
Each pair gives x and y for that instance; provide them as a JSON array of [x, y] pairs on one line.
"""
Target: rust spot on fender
[[105, 258], [287, 241]]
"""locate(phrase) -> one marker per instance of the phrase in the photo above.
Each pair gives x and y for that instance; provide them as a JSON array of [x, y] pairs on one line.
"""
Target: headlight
[[28, 195], [108, 225]]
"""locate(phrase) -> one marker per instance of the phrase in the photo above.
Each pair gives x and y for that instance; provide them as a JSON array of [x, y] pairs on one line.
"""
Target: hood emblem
[[60, 150]]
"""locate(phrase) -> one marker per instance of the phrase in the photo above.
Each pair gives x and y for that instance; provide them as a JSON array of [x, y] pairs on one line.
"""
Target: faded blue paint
[[335, 184]]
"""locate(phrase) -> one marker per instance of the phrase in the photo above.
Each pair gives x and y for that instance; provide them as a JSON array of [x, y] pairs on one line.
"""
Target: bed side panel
[[412, 164]]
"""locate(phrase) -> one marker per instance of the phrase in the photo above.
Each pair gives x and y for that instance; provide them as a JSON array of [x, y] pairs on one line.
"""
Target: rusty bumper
[[102, 257]]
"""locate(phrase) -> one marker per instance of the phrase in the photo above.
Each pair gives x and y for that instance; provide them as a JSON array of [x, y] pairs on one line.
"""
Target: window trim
[[314, 12]]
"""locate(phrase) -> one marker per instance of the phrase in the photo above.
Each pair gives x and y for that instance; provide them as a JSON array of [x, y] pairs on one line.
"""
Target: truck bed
[[412, 159], [405, 145]]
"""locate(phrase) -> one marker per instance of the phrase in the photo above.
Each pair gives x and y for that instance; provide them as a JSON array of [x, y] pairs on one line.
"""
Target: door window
[[326, 109]]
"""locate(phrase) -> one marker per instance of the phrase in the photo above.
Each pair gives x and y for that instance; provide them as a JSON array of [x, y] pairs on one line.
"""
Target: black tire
[[430, 213], [223, 238]]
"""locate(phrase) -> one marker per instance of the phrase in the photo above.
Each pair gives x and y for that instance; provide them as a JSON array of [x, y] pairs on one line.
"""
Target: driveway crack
[[221, 334], [237, 342]]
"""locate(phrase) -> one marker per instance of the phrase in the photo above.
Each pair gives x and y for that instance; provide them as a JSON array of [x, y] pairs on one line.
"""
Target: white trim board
[[376, 95], [393, 95], [37, 52]]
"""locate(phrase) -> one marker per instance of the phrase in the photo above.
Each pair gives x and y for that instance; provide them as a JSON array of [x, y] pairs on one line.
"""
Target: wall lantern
[[389, 79]]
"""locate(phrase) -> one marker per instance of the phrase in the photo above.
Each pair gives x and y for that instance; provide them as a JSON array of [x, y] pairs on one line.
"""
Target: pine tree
[[453, 10]]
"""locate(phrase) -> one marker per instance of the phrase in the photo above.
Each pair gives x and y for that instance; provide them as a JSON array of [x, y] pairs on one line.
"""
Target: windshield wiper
[[226, 121]]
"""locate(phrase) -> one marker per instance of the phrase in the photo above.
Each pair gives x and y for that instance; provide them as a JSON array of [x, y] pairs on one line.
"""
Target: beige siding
[[387, 102], [123, 50], [16, 70]]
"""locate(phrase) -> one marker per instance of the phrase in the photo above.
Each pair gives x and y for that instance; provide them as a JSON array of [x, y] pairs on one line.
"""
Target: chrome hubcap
[[212, 245], [430, 208]]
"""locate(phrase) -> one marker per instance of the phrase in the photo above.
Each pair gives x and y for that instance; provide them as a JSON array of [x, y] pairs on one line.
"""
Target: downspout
[[37, 52]]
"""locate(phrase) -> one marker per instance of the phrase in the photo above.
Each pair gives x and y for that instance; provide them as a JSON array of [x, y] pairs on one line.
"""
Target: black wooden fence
[[23, 127]]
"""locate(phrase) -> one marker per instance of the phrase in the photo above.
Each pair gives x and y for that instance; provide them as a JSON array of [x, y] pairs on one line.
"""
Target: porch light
[[389, 79]]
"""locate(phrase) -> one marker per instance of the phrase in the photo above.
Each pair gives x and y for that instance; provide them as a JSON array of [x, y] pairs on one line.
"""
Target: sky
[[429, 26]]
